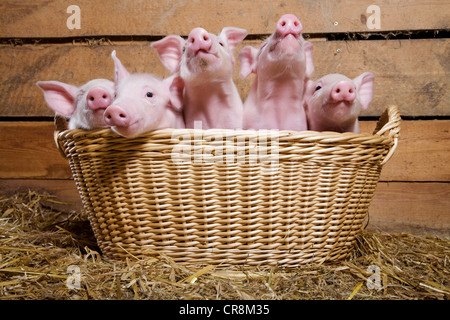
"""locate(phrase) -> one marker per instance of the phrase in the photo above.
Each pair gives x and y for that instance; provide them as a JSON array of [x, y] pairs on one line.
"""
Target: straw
[[36, 254]]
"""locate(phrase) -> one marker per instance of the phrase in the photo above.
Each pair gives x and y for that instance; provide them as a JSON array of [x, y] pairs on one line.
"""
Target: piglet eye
[[221, 43], [149, 94], [318, 88]]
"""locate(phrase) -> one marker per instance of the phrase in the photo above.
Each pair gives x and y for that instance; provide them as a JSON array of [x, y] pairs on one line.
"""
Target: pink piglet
[[334, 102], [205, 62], [282, 65], [144, 102], [84, 105]]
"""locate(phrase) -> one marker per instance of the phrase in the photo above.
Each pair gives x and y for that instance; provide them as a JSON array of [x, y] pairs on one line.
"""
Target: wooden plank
[[396, 207], [411, 207], [60, 190], [27, 151], [410, 73], [42, 18], [422, 153]]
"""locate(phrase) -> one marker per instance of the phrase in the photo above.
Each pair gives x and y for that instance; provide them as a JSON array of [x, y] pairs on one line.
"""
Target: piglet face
[[284, 51], [207, 52], [84, 105], [334, 95], [143, 102], [201, 53], [334, 102], [139, 105], [94, 97], [286, 41]]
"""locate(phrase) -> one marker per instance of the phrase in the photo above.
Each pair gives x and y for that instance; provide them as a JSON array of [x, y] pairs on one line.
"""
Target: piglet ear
[[170, 50], [233, 36], [364, 84], [247, 57], [59, 96], [309, 60], [120, 73], [176, 88]]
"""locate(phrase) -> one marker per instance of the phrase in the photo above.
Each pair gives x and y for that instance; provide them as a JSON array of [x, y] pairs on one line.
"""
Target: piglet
[[333, 102], [205, 62], [282, 66], [144, 102], [84, 105]]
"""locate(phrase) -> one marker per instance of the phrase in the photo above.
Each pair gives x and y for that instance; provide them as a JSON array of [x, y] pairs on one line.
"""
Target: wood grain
[[412, 74], [422, 153], [43, 18], [411, 207], [27, 150]]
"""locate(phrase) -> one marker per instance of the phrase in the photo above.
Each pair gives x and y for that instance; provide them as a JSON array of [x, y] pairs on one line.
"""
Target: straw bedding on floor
[[40, 247]]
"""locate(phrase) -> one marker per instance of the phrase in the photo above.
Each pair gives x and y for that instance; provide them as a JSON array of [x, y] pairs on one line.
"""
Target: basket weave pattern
[[303, 201]]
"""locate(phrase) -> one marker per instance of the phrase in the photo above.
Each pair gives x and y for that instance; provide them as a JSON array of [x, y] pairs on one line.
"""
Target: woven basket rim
[[167, 132], [325, 143]]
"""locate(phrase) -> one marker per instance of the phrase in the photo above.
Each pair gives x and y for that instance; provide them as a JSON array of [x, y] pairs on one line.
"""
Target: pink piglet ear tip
[[170, 38], [369, 75], [44, 84]]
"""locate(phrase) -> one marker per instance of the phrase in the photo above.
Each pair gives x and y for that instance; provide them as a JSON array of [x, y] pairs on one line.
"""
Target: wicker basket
[[229, 196]]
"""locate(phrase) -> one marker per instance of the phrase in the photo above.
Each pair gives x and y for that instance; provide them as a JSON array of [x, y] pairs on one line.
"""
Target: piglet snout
[[98, 98], [344, 91], [116, 116], [289, 24], [199, 39]]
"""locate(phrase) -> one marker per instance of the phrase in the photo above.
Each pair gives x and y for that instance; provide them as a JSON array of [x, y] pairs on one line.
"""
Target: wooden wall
[[409, 53]]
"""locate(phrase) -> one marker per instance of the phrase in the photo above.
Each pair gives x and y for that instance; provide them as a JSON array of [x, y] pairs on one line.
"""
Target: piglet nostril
[[289, 25], [199, 40]]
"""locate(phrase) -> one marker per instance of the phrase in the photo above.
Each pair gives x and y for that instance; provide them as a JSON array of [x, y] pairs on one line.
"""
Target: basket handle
[[60, 125], [389, 123]]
